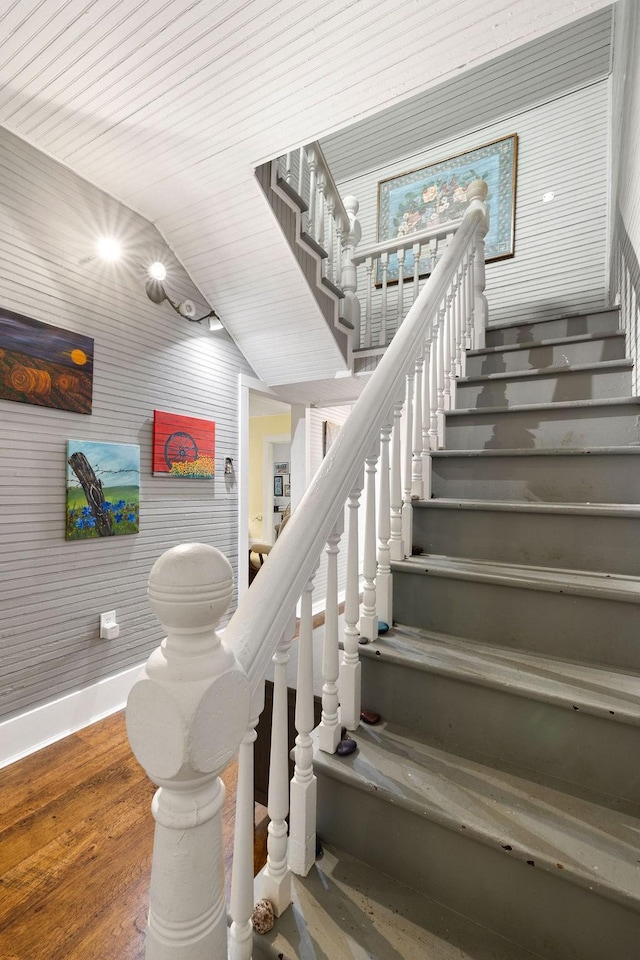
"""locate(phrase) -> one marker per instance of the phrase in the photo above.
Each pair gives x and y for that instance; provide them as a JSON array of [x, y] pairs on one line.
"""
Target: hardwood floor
[[76, 836]]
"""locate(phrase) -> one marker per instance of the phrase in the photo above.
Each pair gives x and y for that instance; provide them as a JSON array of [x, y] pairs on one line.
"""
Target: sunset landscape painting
[[44, 365]]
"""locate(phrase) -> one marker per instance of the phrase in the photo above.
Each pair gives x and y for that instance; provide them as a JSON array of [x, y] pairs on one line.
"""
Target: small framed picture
[[277, 486], [281, 468], [287, 490]]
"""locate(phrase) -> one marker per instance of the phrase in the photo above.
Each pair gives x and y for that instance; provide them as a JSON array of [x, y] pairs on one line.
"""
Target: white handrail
[[406, 242], [257, 625]]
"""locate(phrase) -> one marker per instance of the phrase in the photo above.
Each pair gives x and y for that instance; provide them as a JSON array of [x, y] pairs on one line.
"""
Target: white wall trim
[[44, 725]]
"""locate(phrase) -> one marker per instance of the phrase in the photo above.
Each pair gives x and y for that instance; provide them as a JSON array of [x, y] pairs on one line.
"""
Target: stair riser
[[607, 322], [550, 388], [564, 625], [591, 752], [531, 906], [600, 478], [537, 358], [573, 541], [566, 427]]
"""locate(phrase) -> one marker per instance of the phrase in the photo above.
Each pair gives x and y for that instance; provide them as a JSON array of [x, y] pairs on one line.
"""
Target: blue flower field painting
[[103, 489]]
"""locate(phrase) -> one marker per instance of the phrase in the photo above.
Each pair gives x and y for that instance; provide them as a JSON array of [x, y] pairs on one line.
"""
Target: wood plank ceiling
[[169, 105]]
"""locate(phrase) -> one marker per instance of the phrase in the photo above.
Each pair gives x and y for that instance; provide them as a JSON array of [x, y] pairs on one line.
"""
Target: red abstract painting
[[183, 446]]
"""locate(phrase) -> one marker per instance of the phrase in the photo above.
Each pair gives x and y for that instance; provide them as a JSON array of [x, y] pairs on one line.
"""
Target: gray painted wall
[[560, 247], [146, 358]]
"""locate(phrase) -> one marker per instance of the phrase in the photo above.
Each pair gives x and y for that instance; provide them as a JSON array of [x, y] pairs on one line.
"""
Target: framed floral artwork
[[437, 194]]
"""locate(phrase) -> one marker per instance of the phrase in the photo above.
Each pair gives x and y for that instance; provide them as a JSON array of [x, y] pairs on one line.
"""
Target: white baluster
[[368, 309], [313, 193], [442, 339], [330, 262], [396, 543], [276, 876], [407, 509], [186, 717], [350, 693], [416, 270], [471, 336], [329, 733], [288, 166], [416, 443], [477, 194], [446, 352], [349, 279], [302, 820], [401, 253], [241, 903], [460, 322], [426, 421], [341, 229], [384, 580], [384, 265], [302, 155], [322, 208], [433, 253], [368, 611], [433, 386]]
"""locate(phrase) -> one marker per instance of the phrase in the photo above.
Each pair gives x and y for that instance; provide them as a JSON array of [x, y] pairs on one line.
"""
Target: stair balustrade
[[626, 280], [197, 702]]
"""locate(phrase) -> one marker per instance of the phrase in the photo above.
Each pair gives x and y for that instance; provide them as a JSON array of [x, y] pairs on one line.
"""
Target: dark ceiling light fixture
[[186, 308]]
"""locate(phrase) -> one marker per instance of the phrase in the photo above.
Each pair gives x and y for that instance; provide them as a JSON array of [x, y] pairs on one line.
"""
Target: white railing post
[[241, 901], [416, 442], [311, 216], [477, 194], [368, 612], [407, 508], [396, 543], [302, 820], [384, 579], [350, 668], [329, 733], [351, 303], [186, 717], [426, 422], [276, 876]]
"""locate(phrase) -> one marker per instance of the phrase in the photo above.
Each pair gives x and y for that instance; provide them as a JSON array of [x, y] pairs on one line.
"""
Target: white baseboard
[[37, 728]]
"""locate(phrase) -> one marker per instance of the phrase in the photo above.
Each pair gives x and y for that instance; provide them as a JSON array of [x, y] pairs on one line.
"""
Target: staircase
[[494, 812]]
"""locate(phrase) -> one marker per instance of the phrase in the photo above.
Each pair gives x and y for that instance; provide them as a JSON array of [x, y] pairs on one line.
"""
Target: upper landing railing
[[199, 699], [376, 283]]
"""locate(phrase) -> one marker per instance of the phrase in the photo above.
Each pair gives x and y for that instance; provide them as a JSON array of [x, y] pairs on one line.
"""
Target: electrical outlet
[[109, 628]]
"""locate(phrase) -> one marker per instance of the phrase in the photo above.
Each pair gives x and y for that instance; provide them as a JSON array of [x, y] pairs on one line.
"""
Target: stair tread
[[343, 902], [602, 691], [552, 579], [540, 372], [549, 342], [529, 506], [550, 406], [565, 835]]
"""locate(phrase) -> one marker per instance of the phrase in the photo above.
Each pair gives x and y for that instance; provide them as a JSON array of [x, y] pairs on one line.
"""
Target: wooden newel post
[[476, 195], [186, 716]]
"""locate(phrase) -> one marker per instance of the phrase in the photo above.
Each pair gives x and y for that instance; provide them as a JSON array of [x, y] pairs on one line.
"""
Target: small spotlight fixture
[[157, 294]]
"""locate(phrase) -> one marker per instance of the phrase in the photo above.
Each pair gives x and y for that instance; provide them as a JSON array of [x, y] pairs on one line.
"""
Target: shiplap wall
[[146, 358], [560, 247]]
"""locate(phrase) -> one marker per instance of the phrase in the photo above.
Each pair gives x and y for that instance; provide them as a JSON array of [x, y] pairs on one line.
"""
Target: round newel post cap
[[191, 586], [477, 190], [351, 205]]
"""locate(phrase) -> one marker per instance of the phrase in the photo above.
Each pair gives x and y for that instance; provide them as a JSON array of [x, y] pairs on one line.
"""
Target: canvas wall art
[[44, 365], [103, 489], [183, 447], [437, 194]]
